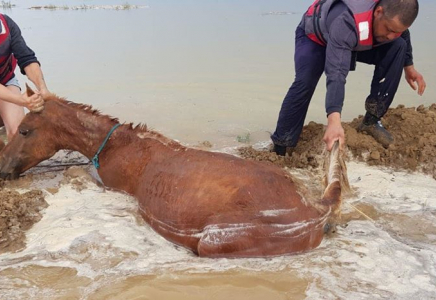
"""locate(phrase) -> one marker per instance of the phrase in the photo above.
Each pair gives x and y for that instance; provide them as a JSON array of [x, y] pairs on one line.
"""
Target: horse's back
[[185, 192], [217, 182]]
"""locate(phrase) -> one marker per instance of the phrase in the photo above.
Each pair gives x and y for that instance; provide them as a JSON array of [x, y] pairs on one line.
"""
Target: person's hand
[[33, 103], [414, 78], [334, 131], [44, 93]]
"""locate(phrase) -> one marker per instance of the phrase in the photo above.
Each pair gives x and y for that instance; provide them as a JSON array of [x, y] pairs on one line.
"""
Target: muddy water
[[92, 244], [196, 71], [237, 285]]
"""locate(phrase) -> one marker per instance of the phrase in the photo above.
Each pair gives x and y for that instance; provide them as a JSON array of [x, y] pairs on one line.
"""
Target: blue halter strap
[[95, 158]]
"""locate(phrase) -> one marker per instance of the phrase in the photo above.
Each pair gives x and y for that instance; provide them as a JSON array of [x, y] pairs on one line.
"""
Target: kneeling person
[[13, 51]]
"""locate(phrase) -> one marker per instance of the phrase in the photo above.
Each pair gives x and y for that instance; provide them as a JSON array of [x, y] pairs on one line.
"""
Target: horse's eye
[[24, 132]]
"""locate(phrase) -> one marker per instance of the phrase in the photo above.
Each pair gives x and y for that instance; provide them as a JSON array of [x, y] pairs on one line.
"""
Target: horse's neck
[[127, 155], [86, 133], [127, 152]]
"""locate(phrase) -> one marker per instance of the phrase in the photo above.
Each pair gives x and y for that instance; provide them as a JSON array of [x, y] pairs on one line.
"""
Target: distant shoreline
[[86, 7]]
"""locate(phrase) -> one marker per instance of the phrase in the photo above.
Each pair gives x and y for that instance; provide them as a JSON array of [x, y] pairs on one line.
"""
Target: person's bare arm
[[32, 103], [414, 78], [34, 73]]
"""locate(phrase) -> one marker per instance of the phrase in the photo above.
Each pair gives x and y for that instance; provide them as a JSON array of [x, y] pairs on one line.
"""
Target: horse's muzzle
[[9, 176], [9, 168]]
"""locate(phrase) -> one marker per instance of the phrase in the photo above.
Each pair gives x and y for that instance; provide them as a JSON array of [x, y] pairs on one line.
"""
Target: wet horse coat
[[215, 204]]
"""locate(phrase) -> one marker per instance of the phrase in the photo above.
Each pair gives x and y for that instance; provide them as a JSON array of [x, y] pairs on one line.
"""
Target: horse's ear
[[29, 91]]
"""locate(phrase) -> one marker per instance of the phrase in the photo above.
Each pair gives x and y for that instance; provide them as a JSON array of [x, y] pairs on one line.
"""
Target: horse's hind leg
[[222, 241], [258, 240]]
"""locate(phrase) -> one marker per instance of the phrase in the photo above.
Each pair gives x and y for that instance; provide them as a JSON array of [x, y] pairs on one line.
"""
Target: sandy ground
[[414, 148]]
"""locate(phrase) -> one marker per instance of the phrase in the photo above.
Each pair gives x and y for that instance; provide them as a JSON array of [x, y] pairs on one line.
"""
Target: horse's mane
[[141, 129]]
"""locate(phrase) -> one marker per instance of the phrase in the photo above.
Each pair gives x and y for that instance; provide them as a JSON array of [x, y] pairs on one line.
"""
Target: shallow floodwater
[[195, 70], [92, 244], [210, 70]]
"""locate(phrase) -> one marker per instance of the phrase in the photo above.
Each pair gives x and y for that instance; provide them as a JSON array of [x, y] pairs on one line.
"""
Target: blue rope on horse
[[95, 158]]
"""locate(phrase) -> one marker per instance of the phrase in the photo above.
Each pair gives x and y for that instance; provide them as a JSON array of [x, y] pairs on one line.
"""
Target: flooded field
[[213, 75], [92, 244], [194, 70]]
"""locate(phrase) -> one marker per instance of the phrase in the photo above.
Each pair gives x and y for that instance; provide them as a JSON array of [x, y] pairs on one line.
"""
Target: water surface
[[194, 70]]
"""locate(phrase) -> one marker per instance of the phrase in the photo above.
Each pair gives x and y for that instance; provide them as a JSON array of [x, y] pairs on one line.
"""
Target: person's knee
[[11, 132], [400, 45], [297, 98], [304, 85], [12, 124]]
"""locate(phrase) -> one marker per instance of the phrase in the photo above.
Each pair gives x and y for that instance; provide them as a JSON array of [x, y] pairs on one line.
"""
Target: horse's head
[[32, 144]]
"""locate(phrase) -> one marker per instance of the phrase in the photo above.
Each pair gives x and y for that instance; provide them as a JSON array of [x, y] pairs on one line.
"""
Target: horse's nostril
[[4, 175], [9, 176]]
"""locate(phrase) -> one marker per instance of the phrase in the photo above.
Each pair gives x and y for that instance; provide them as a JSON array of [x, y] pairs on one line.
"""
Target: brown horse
[[215, 204]]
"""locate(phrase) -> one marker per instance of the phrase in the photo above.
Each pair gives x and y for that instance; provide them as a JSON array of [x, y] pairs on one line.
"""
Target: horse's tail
[[335, 182]]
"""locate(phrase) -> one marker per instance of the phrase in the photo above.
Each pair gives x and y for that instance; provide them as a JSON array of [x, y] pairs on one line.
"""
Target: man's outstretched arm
[[413, 77]]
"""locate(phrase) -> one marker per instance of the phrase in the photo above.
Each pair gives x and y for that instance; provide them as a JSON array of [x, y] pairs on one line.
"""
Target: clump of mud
[[414, 147], [18, 212], [78, 178], [204, 145], [306, 155]]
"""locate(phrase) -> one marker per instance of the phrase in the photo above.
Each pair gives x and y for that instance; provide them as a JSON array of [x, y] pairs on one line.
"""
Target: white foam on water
[[367, 258], [99, 234], [394, 191], [364, 260], [275, 212]]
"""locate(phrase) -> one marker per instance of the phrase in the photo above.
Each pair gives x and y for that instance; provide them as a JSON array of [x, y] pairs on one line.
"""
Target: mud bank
[[414, 148], [18, 212]]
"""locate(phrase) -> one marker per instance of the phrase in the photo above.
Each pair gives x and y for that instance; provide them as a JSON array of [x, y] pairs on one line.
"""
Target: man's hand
[[44, 93], [413, 77], [334, 131], [34, 73], [33, 103]]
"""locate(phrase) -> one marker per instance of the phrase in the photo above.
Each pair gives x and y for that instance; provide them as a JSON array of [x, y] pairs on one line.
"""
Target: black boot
[[373, 126], [279, 150]]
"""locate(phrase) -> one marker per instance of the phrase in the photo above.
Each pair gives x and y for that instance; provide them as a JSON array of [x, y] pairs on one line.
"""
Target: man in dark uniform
[[331, 37], [13, 51]]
